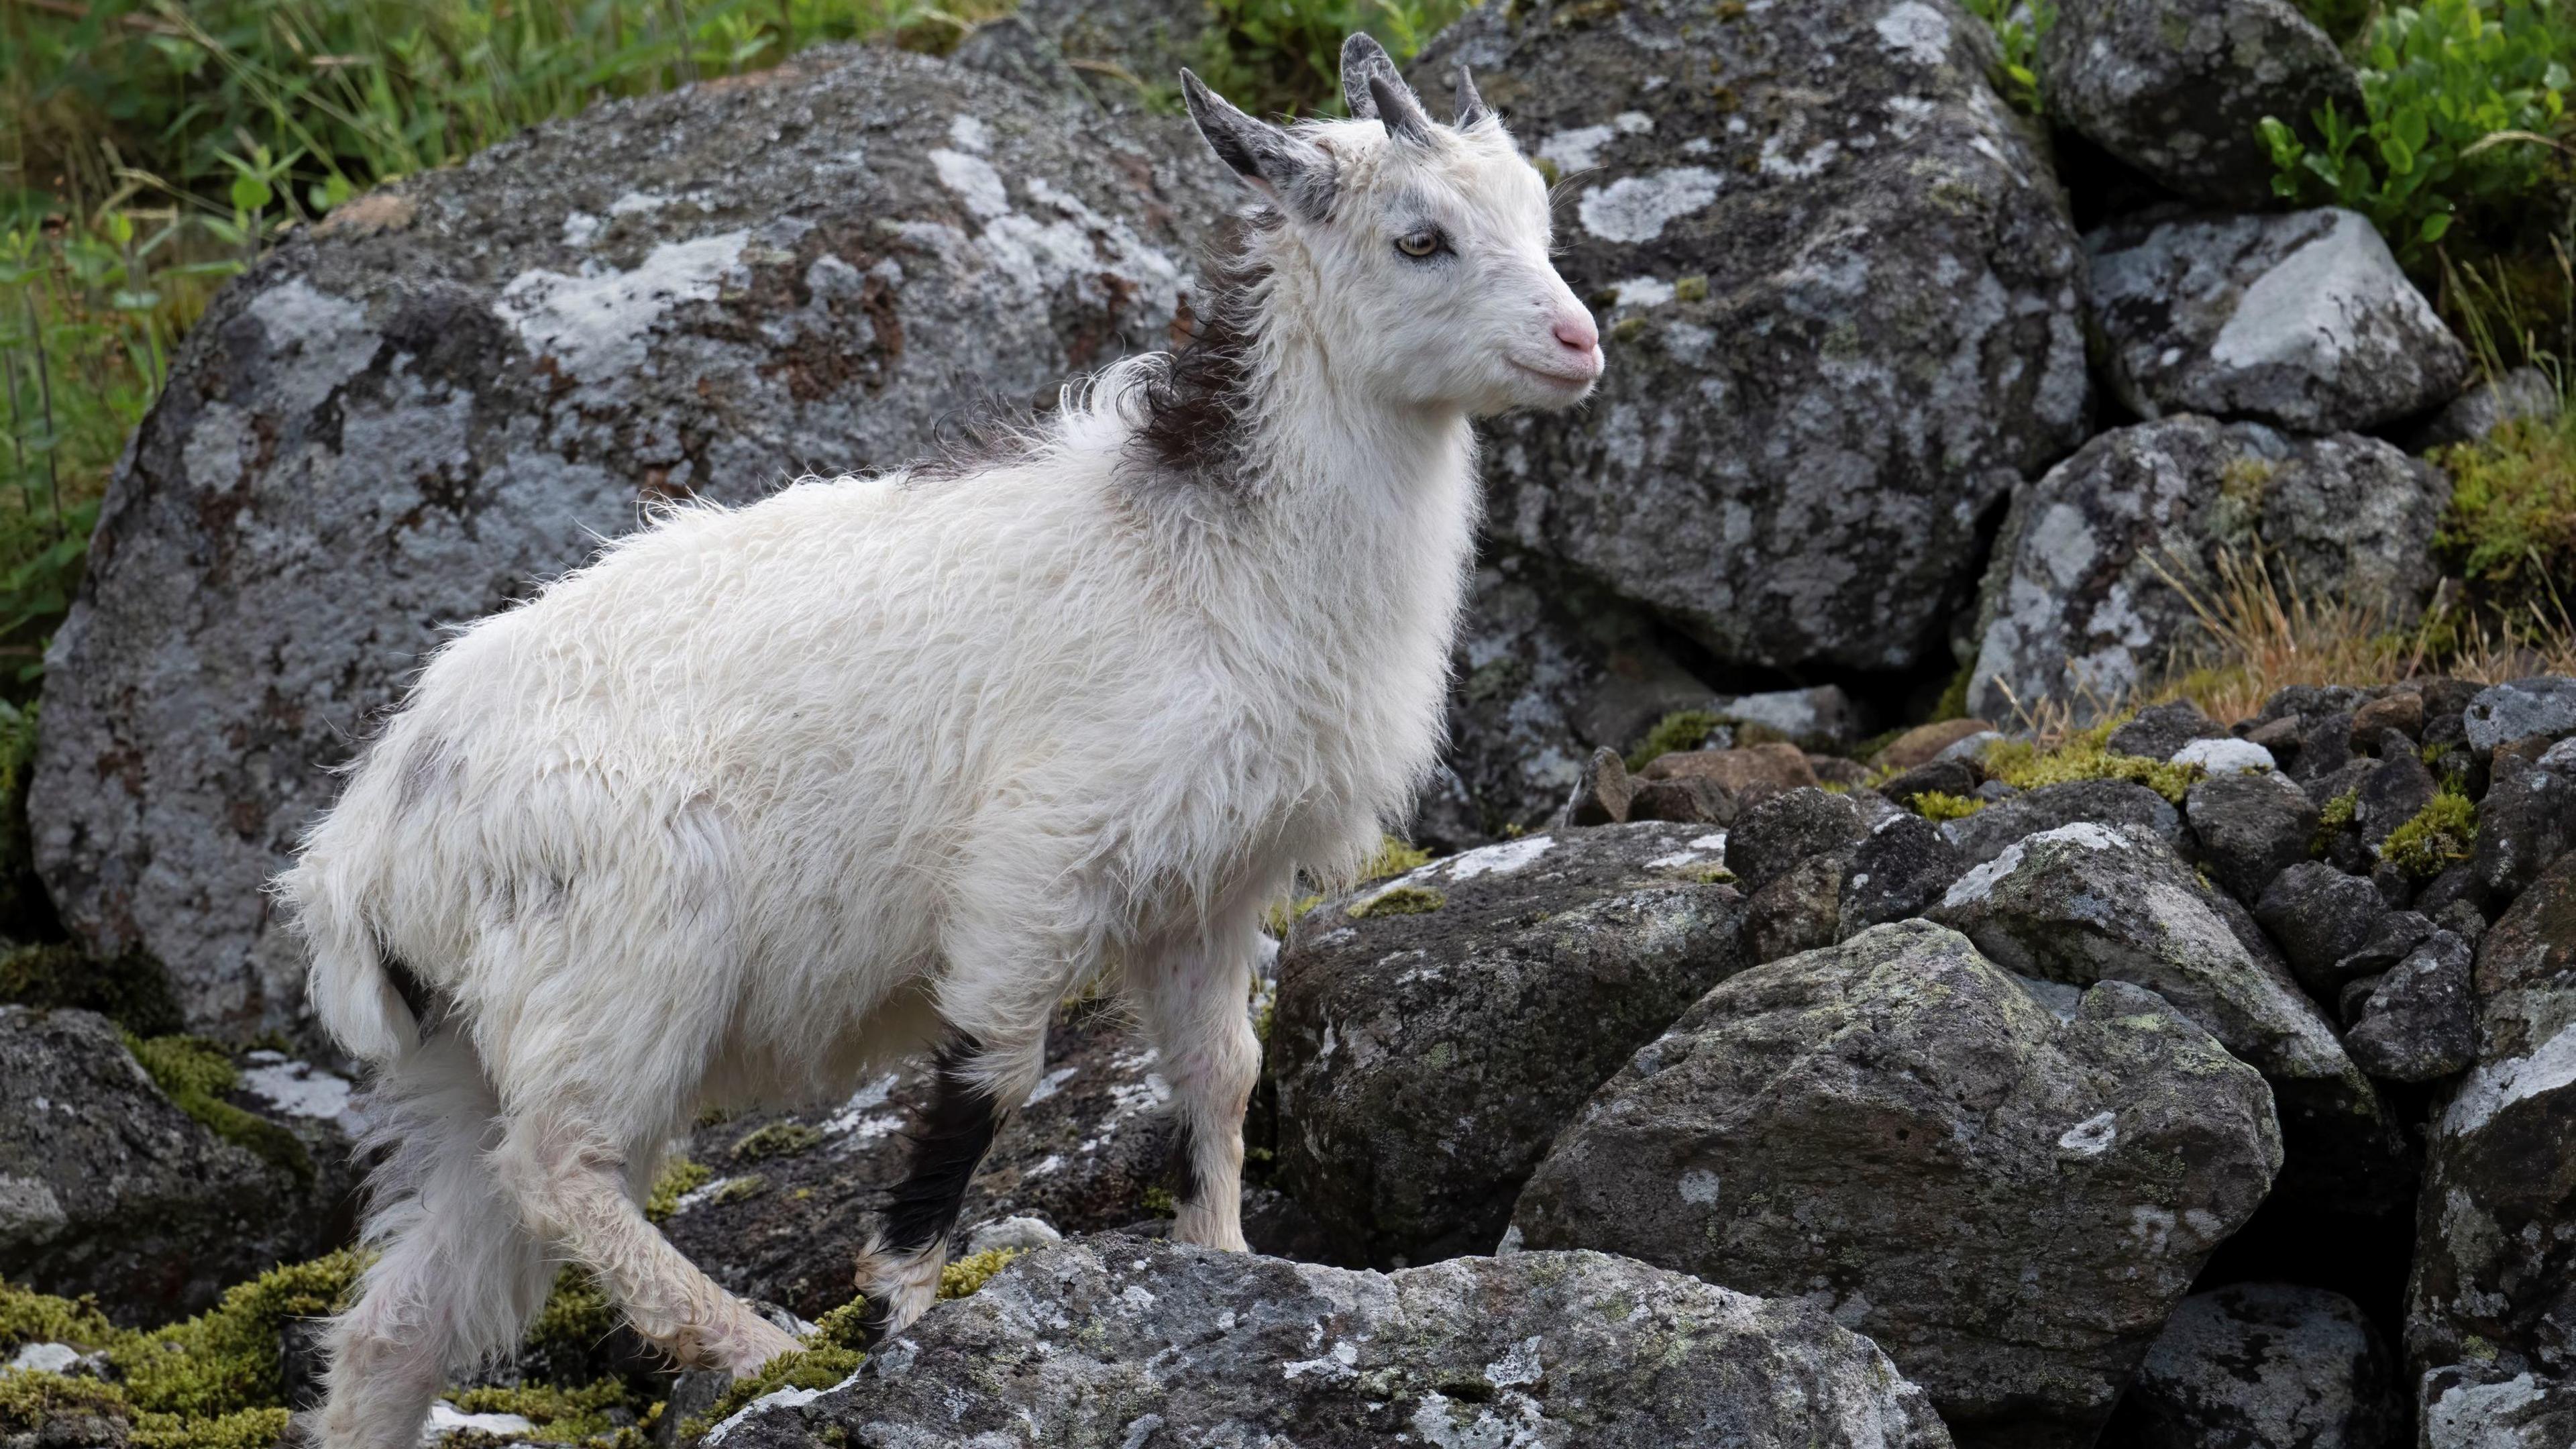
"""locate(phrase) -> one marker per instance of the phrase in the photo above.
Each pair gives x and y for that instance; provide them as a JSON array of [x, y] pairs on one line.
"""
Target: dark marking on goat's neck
[[1200, 410]]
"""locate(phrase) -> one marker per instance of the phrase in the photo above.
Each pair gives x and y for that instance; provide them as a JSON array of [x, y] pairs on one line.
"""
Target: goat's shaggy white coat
[[766, 797]]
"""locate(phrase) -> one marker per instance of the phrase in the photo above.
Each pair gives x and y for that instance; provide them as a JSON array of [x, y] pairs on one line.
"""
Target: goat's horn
[[1471, 106], [1403, 115]]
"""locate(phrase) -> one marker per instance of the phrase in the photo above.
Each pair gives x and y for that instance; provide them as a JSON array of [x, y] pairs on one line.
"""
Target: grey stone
[[2526, 822], [107, 1187], [1544, 671], [1109, 1343], [2160, 729], [1800, 910], [1958, 778], [1692, 800], [2303, 321], [2319, 917], [2392, 940], [2526, 394], [2393, 791], [2089, 595], [1899, 871], [1602, 792], [1424, 1061], [2263, 1366], [1982, 836], [796, 1193], [2088, 903], [459, 383], [2494, 1280], [2008, 1202], [1788, 459], [2473, 1406], [1822, 718], [2544, 704], [2249, 828], [2177, 88], [2420, 1023], [1777, 833]]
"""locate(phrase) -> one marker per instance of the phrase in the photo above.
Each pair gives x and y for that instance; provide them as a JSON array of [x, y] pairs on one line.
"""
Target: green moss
[[973, 1271], [1710, 875], [778, 1139], [576, 1317], [1627, 329], [1399, 901], [1679, 732], [1281, 914], [2441, 835], [677, 1181], [574, 1413], [225, 1360], [816, 1368], [247, 1429], [1936, 806], [740, 1188], [2338, 812], [2510, 528], [1691, 289], [2085, 756], [194, 1074], [131, 989], [27, 1316], [28, 1400], [1393, 857]]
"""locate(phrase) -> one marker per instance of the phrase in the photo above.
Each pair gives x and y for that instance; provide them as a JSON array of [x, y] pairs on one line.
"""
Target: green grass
[[1285, 55]]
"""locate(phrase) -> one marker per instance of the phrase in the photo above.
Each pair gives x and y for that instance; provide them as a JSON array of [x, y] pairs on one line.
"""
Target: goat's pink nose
[[1577, 333]]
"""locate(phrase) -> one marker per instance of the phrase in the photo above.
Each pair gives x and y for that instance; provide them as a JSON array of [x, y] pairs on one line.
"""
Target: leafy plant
[[2019, 26], [2460, 99], [1286, 55], [2511, 525]]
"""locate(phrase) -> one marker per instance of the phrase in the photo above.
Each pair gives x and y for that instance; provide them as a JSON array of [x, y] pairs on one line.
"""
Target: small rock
[[1800, 910], [2477, 1406], [2402, 711], [1796, 825], [1424, 1062], [1780, 766], [1602, 795], [1898, 872], [2225, 757], [2325, 746], [1837, 770], [2355, 996], [1972, 747], [2250, 828], [1922, 743], [2008, 1202], [2393, 940], [2525, 823], [1688, 800], [2525, 394], [2263, 1366], [1821, 718], [2302, 320], [1075, 1346], [1982, 836], [1937, 777], [2160, 729], [2393, 791], [2542, 705], [2177, 88], [2318, 916], [1020, 1232], [2420, 1024]]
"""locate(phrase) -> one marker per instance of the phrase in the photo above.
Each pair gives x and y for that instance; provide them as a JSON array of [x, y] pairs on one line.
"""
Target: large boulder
[[788, 1199], [2093, 581], [458, 384], [2263, 1366], [2303, 321], [2008, 1201], [2494, 1287], [1841, 302], [1433, 1032], [2177, 88], [2088, 903], [107, 1186], [1112, 1343]]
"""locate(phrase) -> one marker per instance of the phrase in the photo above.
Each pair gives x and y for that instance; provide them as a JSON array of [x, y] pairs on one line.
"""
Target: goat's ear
[[1363, 57], [1471, 106], [1293, 173]]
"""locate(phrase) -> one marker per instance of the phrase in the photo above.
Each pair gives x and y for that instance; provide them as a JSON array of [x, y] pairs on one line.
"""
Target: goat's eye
[[1422, 243]]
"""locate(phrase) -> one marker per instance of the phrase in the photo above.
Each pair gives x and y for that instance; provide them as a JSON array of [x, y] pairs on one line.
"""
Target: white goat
[[766, 797]]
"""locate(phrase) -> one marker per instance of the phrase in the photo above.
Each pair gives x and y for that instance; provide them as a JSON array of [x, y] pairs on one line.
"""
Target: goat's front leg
[[898, 1273], [1196, 1003]]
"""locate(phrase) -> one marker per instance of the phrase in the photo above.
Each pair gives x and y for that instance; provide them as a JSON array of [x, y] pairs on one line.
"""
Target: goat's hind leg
[[456, 1278], [571, 1183], [899, 1271]]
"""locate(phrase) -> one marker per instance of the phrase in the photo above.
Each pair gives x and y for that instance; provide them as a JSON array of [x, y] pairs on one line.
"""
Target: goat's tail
[[369, 1002]]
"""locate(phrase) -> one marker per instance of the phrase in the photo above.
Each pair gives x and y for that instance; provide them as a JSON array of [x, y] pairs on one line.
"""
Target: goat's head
[[1428, 244]]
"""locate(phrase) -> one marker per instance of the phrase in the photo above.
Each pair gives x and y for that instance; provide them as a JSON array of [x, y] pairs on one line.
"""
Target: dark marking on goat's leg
[[921, 1211], [1184, 1174]]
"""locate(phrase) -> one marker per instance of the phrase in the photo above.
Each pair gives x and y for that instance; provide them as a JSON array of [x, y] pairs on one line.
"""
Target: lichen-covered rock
[[2320, 918], [2526, 394], [2008, 1202], [2526, 821], [2121, 803], [2263, 1366], [2466, 1406], [1545, 671], [789, 1198], [2303, 321], [1840, 298], [2494, 1285], [456, 384], [1795, 825], [2177, 88], [2420, 1023], [1111, 1343], [2088, 903], [1425, 1058], [2543, 705], [2250, 826], [2159, 730], [108, 1187], [1899, 871], [2080, 604]]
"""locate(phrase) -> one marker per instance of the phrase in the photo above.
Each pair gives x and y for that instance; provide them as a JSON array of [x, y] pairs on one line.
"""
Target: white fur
[[765, 797]]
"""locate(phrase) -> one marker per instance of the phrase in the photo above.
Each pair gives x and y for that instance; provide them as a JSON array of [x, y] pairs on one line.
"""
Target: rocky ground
[[1734, 1064]]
